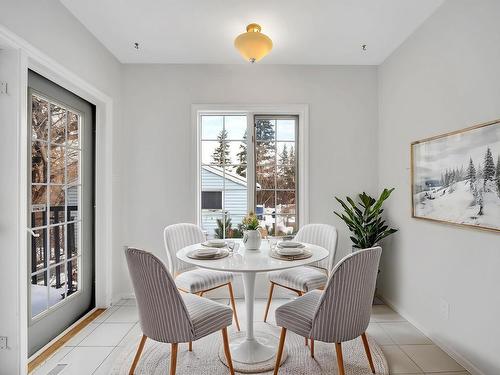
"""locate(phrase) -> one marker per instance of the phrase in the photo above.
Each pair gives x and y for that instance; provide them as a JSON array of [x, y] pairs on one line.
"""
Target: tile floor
[[95, 348]]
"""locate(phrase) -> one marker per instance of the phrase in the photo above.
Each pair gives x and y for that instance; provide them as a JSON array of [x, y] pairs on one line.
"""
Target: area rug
[[204, 359]]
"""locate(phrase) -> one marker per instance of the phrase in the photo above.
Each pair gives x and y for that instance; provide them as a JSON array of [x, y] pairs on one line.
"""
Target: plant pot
[[252, 239]]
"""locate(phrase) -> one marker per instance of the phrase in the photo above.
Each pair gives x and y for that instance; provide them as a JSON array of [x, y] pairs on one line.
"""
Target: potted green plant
[[251, 234], [364, 219]]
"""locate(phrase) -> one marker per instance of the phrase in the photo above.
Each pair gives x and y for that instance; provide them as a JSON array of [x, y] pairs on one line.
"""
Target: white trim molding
[[32, 58], [300, 110]]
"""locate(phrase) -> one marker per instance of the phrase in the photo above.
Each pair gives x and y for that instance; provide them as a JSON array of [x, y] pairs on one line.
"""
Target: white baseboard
[[55, 339], [461, 360]]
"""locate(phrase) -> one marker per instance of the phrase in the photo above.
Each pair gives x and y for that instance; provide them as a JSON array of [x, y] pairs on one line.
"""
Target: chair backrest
[[176, 237], [345, 307], [162, 312], [323, 235]]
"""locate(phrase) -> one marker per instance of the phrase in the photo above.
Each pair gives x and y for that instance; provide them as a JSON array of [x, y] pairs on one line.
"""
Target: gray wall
[[443, 78], [160, 182]]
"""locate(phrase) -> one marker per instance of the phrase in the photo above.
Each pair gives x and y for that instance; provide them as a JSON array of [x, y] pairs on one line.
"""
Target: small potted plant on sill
[[364, 219], [251, 234]]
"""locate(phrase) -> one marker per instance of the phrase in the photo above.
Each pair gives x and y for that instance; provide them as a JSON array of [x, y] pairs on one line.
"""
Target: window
[[224, 197], [276, 172], [211, 200], [55, 203], [239, 173]]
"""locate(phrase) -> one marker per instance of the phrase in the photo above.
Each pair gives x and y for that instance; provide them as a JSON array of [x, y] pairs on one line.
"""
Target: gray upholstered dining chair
[[306, 278], [167, 316], [341, 312], [190, 279]]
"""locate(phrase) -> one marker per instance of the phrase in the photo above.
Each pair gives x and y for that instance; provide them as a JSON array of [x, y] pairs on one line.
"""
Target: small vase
[[252, 239]]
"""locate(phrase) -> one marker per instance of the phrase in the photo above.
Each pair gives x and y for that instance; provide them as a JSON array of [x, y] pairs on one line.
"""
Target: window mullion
[[223, 179], [251, 160]]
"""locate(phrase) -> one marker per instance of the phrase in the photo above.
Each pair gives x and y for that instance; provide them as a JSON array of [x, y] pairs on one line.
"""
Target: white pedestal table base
[[253, 356]]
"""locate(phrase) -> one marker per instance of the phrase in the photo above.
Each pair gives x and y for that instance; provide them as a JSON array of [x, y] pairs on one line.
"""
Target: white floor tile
[[106, 366], [106, 314], [376, 332], [84, 360], [124, 314], [80, 336], [382, 313], [399, 362], [448, 373], [128, 302], [132, 335], [107, 334], [430, 358], [403, 333], [52, 361]]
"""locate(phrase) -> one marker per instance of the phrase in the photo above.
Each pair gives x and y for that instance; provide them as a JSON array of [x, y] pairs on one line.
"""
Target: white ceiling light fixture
[[253, 45]]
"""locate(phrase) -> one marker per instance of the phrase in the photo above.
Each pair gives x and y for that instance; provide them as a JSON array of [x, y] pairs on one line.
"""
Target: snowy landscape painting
[[456, 177]]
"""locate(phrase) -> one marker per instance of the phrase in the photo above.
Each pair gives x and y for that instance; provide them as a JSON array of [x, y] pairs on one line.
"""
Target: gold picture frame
[[447, 200]]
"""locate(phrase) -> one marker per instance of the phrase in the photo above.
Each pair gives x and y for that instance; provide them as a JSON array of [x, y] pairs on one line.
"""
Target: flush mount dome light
[[253, 45]]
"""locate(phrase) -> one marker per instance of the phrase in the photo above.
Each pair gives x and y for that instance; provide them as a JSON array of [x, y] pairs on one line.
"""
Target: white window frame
[[300, 110]]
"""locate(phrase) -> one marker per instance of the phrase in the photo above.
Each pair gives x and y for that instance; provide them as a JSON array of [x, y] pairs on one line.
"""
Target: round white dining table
[[255, 346]]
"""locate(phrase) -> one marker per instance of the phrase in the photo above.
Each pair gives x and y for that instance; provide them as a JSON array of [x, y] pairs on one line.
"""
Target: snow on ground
[[457, 205]]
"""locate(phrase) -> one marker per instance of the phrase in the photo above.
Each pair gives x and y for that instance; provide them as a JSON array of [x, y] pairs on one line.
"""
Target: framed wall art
[[456, 177]]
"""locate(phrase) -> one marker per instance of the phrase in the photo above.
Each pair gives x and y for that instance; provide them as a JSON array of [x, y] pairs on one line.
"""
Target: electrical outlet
[[3, 342], [3, 87], [444, 309]]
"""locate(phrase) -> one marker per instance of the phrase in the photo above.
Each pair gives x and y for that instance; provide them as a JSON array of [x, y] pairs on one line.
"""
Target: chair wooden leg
[[201, 294], [340, 359], [312, 348], [190, 346], [271, 289], [173, 359], [231, 297], [280, 350], [227, 352], [368, 353], [138, 355], [300, 295]]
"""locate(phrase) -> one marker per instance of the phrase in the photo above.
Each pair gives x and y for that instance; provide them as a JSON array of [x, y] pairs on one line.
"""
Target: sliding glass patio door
[[61, 223]]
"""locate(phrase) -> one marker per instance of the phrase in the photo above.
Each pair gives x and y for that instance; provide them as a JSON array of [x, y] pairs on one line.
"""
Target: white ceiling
[[203, 31]]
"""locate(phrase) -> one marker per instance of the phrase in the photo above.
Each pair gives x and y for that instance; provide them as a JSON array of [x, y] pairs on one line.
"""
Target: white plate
[[215, 243], [207, 252], [290, 251], [290, 244]]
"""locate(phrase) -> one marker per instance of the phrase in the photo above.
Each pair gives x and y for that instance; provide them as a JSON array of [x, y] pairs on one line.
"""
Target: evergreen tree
[[284, 168], [291, 167], [471, 174], [480, 201], [489, 168], [292, 156], [497, 177], [242, 158], [221, 153], [265, 153], [479, 172]]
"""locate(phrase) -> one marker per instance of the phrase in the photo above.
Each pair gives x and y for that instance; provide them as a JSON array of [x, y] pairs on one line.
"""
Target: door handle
[[33, 233]]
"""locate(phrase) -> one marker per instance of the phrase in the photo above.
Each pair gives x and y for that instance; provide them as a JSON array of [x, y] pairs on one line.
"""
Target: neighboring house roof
[[236, 178]]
